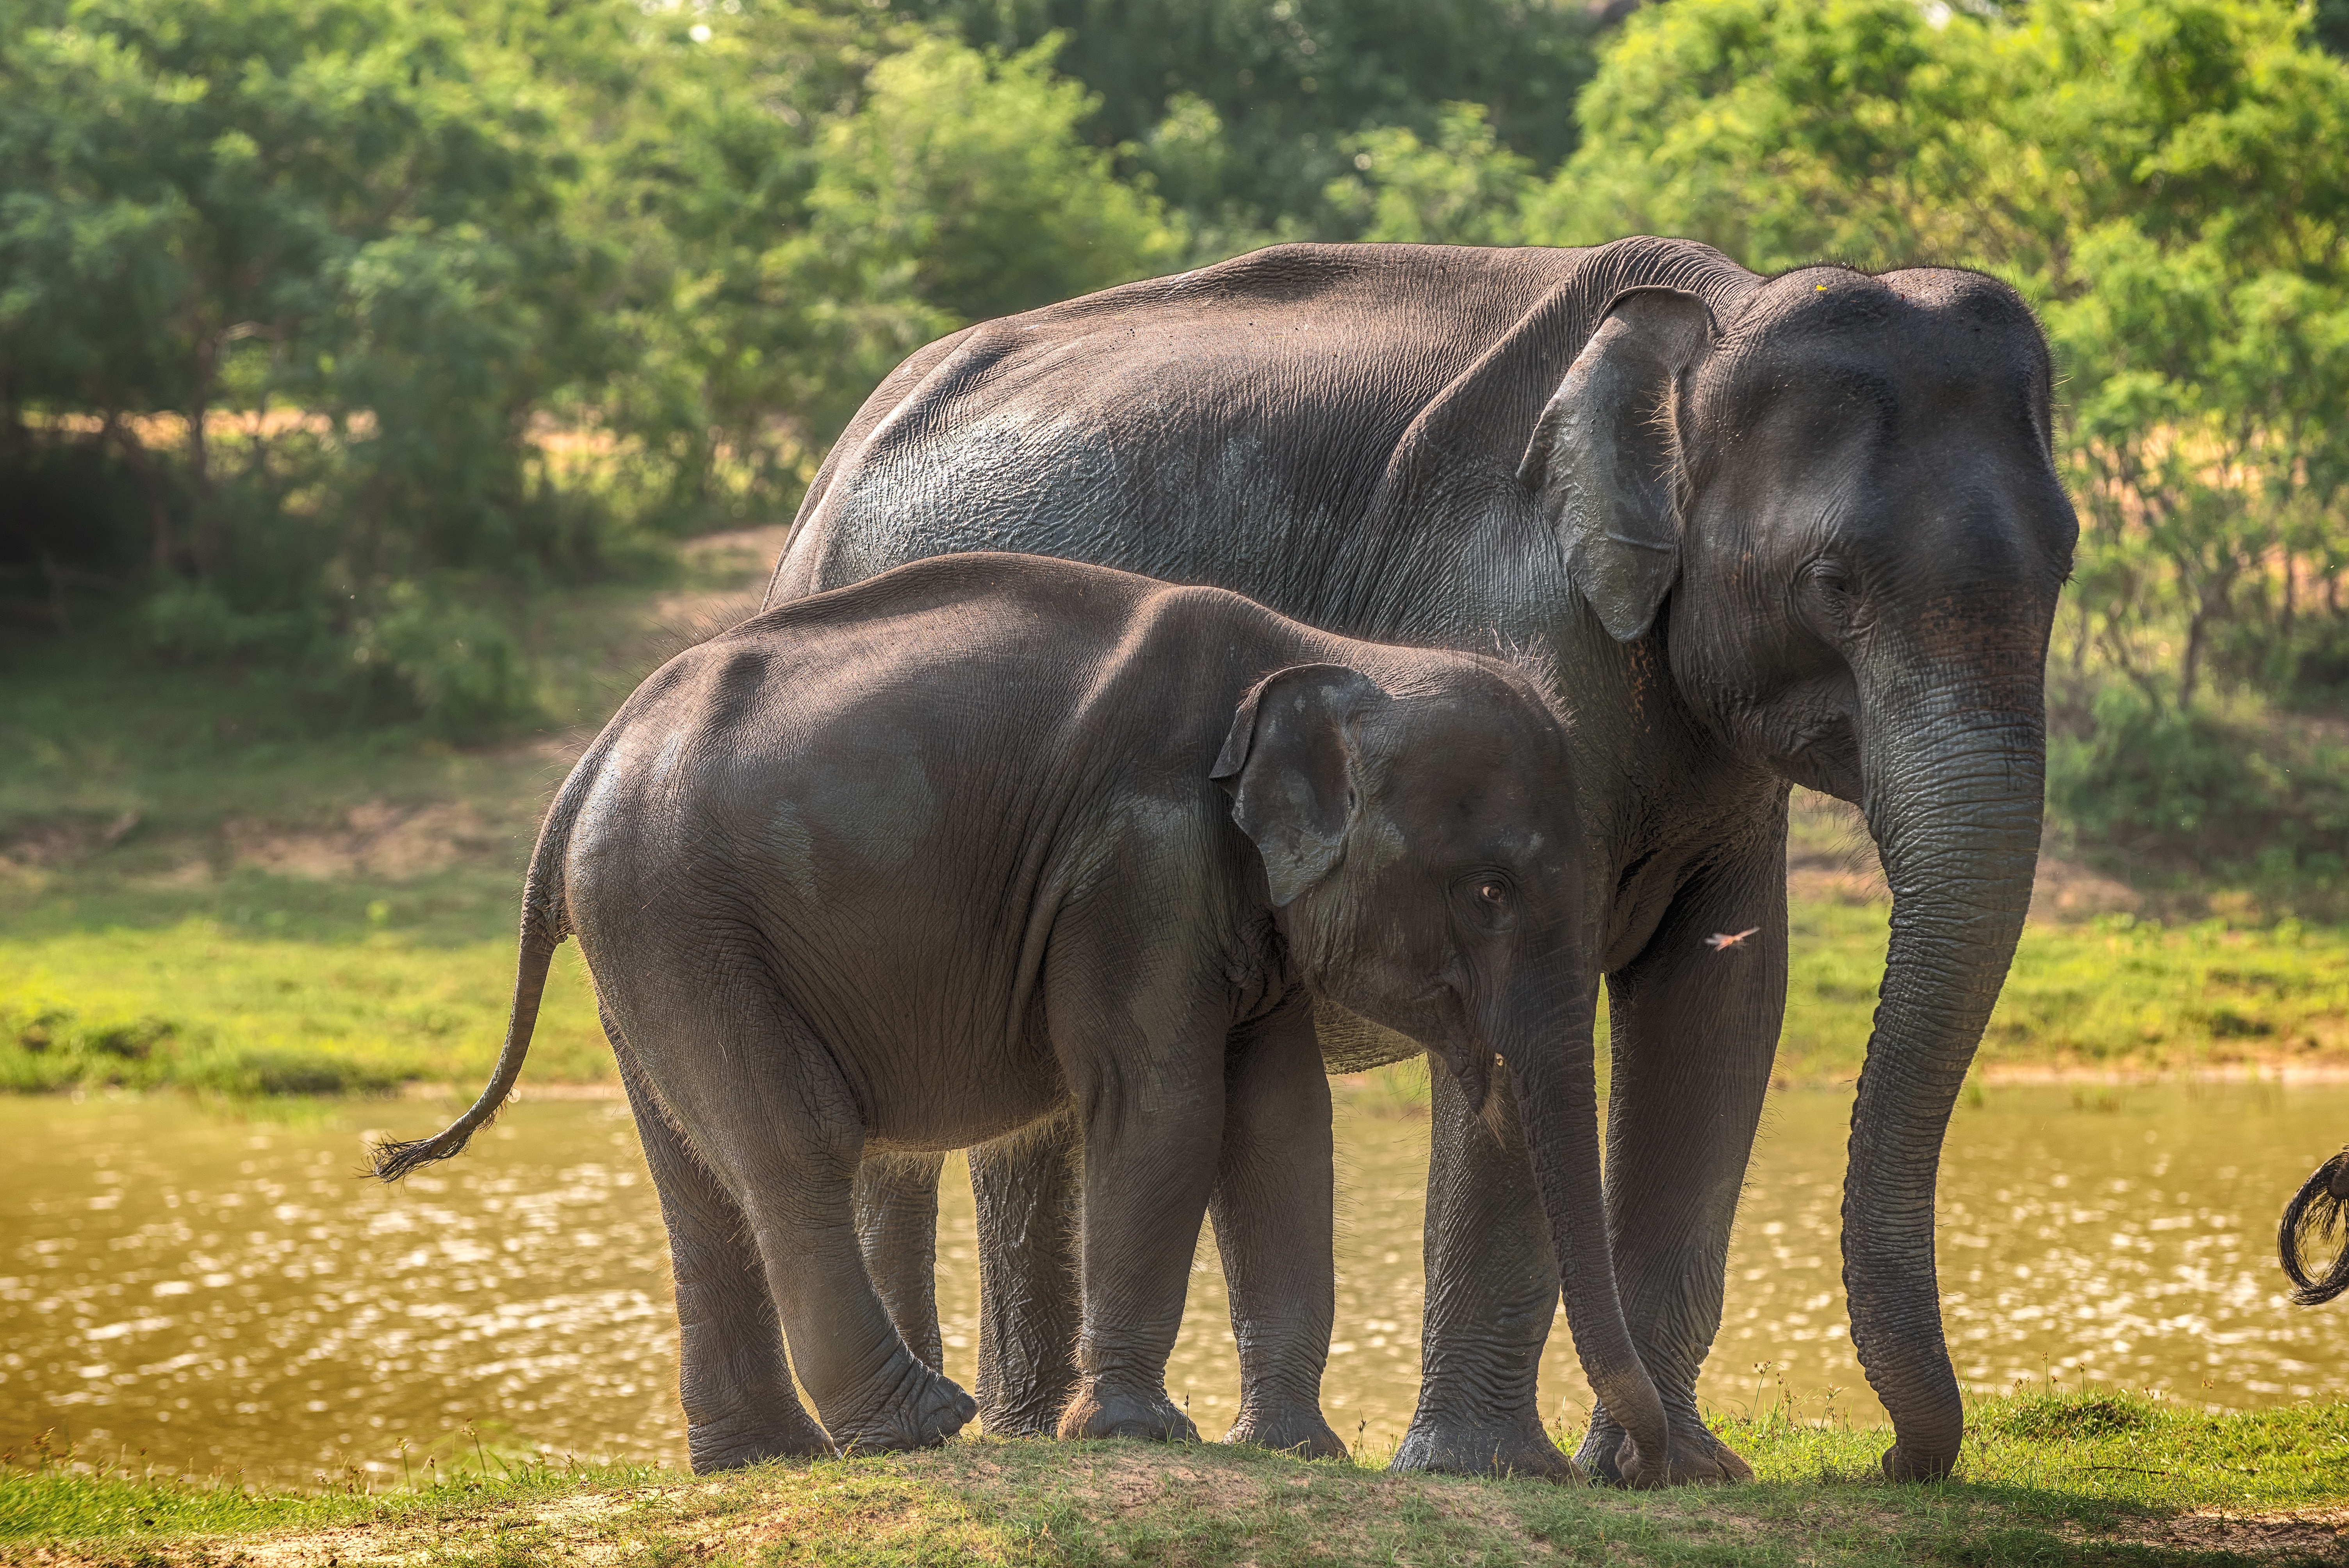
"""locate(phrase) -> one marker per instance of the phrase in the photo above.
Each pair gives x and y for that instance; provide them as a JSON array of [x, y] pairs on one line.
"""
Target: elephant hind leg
[[733, 1376], [1028, 1192], [766, 1112]]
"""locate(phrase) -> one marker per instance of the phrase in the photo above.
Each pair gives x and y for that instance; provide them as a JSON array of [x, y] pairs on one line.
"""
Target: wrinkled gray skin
[[996, 843], [1804, 529]]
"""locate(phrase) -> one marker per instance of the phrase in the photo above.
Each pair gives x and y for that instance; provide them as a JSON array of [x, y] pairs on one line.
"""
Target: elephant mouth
[[1825, 757]]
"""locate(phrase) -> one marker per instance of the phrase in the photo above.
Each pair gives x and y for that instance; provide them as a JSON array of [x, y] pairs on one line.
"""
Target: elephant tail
[[2314, 1216], [544, 927]]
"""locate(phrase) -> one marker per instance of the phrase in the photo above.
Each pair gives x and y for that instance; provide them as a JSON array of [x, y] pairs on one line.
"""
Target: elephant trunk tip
[[1902, 1463]]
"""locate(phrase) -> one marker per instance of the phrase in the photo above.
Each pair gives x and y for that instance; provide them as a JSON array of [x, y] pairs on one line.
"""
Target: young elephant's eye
[[1491, 902]]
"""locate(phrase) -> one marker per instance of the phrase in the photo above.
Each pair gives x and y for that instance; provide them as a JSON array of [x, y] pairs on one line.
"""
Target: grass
[[207, 883], [194, 1006], [2111, 991], [209, 1005], [2046, 1478]]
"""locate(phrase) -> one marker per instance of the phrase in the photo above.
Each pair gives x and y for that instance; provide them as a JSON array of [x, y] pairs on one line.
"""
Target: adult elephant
[[1804, 529]]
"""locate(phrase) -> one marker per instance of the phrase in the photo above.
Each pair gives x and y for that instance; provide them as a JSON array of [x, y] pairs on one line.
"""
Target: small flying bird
[[1722, 941]]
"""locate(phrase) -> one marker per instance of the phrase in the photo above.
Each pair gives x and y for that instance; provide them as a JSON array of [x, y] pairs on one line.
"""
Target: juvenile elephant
[[993, 839], [1801, 528]]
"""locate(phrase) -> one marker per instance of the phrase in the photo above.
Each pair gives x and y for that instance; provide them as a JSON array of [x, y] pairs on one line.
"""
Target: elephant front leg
[[1150, 1164], [1146, 1074], [1272, 1208], [1025, 1188], [1694, 1030], [1492, 1292]]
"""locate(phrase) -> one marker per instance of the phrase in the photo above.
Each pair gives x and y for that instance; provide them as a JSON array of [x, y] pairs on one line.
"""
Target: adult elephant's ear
[[1605, 465], [1288, 765]]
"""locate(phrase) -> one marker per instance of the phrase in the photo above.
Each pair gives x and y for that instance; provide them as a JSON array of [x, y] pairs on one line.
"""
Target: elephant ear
[[1288, 766], [1604, 464]]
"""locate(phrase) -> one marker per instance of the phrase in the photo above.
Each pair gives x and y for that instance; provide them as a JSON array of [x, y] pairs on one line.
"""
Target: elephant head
[[1838, 512], [1426, 872]]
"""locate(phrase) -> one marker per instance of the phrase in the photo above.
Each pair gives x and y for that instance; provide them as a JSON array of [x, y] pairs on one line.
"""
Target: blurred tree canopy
[[329, 327], [1241, 111]]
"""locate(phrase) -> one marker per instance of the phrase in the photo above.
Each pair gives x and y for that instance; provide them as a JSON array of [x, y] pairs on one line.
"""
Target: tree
[[1242, 111], [2167, 179]]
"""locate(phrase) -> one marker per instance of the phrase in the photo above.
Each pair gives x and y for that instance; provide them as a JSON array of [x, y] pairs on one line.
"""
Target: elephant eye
[[1487, 900], [1831, 578]]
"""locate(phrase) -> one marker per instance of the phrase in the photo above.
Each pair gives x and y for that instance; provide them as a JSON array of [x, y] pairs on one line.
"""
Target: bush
[[190, 623], [2190, 790], [455, 664]]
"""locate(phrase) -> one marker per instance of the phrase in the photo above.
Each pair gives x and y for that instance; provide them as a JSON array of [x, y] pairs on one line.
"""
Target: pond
[[221, 1293]]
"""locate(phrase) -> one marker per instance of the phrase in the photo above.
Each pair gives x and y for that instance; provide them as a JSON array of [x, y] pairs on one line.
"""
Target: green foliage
[[1780, 132], [1463, 191], [1243, 112], [2179, 789], [373, 318], [958, 191], [304, 265]]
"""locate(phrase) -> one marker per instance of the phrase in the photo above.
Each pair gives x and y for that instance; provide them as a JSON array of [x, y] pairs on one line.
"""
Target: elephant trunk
[[1955, 777], [1548, 1049]]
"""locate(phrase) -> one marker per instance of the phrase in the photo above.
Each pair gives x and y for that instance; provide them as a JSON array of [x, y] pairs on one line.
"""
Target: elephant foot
[[1899, 1464], [913, 1408], [1095, 1412], [730, 1444], [1519, 1448], [1698, 1459], [1028, 1404], [1297, 1429]]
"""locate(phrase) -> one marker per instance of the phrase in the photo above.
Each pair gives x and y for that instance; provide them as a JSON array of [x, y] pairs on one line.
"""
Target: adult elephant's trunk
[[1545, 1039], [1955, 772]]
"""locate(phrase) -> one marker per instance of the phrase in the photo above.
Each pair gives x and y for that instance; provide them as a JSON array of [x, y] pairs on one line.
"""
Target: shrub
[[455, 664], [2190, 790]]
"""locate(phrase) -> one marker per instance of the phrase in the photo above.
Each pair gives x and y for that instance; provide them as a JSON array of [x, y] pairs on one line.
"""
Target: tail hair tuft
[[393, 1157], [2315, 1216]]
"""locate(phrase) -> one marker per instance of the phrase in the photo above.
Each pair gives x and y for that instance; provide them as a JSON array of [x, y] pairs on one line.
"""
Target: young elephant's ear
[[1604, 464], [1288, 765]]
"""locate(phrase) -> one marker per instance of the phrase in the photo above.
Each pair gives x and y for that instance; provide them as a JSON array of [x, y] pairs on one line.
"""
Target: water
[[223, 1294]]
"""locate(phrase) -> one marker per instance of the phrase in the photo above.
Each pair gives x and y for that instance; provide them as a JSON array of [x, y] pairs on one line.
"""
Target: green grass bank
[[211, 881], [2052, 1478], [205, 1006]]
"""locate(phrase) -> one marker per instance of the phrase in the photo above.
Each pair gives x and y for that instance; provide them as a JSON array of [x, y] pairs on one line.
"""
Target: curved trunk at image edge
[[1548, 1049], [1955, 788]]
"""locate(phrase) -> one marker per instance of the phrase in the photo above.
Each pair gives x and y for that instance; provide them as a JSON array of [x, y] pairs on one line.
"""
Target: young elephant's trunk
[[1546, 1042]]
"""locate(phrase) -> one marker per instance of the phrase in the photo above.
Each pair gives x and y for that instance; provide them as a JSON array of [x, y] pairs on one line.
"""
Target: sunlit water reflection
[[226, 1294]]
